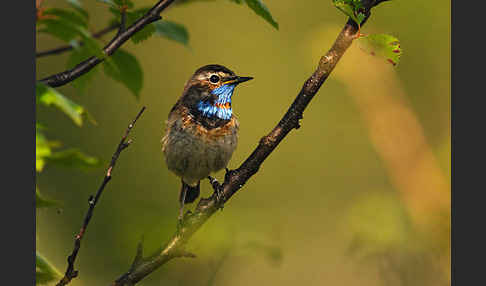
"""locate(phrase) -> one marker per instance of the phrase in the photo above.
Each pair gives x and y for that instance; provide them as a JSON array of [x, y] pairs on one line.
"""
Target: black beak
[[241, 79], [237, 80]]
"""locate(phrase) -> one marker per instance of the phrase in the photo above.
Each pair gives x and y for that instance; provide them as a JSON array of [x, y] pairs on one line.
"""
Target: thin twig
[[123, 20], [235, 179], [124, 143], [66, 48], [69, 75]]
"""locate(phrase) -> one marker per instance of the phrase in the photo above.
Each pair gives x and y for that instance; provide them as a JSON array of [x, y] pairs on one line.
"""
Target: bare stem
[[124, 143]]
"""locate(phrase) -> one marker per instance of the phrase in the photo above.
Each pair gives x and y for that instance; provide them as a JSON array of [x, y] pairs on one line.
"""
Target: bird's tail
[[192, 193]]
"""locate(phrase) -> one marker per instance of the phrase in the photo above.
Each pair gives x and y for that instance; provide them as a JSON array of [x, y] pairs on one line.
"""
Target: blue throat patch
[[221, 108]]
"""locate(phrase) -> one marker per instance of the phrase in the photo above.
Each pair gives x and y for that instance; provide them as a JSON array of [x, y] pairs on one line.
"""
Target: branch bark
[[235, 179], [67, 76], [124, 143]]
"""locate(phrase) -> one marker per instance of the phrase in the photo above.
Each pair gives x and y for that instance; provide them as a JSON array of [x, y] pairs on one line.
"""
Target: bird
[[201, 130]]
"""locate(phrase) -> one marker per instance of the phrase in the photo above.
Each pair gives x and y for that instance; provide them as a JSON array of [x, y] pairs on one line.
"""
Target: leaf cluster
[[47, 96], [352, 8], [71, 25], [382, 45]]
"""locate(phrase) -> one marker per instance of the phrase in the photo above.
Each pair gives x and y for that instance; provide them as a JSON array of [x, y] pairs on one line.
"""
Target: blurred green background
[[360, 195]]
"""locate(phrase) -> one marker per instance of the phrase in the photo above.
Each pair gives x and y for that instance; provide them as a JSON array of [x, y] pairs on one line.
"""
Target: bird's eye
[[214, 78]]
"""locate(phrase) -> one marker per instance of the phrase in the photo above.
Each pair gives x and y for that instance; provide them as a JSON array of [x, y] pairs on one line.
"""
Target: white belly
[[193, 155]]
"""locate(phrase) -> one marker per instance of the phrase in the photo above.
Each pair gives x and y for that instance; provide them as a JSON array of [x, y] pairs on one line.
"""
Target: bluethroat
[[201, 131]]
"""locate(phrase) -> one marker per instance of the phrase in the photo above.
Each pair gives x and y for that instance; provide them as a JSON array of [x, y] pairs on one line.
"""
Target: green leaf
[[360, 17], [351, 8], [117, 3], [261, 10], [73, 158], [357, 4], [125, 68], [44, 271], [146, 32], [67, 16], [49, 96], [42, 149], [382, 45], [143, 34], [68, 31], [91, 44], [78, 7], [172, 31], [42, 202], [130, 18], [62, 30], [78, 55]]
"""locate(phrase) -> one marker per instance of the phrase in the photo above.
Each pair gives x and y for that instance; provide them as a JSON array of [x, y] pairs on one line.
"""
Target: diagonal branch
[[67, 76], [235, 179], [62, 49], [124, 143]]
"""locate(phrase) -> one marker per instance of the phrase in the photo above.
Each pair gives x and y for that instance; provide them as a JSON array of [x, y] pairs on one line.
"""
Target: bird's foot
[[218, 191]]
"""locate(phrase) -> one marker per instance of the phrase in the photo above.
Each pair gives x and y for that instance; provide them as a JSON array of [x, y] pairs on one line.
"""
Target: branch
[[235, 179], [124, 143], [66, 48], [123, 20], [67, 76]]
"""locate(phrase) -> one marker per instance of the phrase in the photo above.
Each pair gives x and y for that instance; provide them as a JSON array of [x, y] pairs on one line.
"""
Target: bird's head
[[208, 93]]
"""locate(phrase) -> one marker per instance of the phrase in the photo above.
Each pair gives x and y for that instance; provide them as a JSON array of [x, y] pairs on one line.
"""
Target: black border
[[18, 143], [468, 143]]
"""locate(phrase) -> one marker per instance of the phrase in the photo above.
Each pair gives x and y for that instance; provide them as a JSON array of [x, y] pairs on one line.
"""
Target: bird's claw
[[213, 181], [218, 191], [220, 198]]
